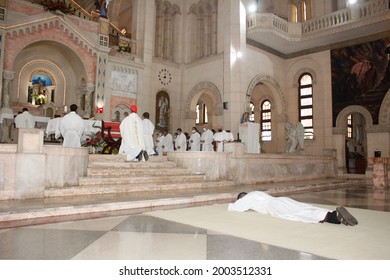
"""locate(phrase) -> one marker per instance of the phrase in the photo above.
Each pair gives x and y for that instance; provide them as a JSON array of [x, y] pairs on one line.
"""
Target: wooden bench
[[112, 136]]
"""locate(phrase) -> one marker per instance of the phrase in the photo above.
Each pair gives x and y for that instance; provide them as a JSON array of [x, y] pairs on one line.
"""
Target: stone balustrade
[[324, 24]]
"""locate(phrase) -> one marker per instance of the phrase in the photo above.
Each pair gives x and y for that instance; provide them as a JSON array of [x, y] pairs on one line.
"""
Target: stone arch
[[213, 94], [384, 112], [277, 97], [301, 71], [341, 120]]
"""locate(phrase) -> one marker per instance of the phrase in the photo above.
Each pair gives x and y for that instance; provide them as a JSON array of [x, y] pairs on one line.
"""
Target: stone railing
[[372, 8], [284, 28], [331, 20]]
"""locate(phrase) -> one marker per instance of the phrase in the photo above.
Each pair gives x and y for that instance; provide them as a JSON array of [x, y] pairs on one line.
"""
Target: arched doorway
[[352, 122], [204, 105], [264, 88], [356, 144]]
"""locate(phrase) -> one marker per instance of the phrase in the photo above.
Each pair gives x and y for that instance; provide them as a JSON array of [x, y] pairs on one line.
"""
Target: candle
[[65, 108]]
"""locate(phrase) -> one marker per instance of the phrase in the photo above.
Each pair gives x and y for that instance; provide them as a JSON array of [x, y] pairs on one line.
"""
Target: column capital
[[8, 75]]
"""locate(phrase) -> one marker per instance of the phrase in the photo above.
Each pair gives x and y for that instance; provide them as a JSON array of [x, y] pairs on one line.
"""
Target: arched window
[[205, 117], [306, 104], [301, 11], [349, 127], [252, 112], [265, 121], [197, 114]]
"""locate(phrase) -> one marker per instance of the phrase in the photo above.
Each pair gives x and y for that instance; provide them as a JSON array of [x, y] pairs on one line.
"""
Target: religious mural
[[360, 76]]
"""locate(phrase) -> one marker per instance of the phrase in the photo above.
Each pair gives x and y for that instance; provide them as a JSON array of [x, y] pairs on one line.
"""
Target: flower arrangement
[[40, 99], [59, 5], [94, 141], [123, 46]]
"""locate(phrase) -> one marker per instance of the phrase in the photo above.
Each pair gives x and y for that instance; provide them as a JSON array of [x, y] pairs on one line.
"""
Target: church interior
[[318, 68]]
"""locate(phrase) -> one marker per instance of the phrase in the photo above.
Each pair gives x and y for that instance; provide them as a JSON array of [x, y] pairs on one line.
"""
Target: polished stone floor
[[142, 237]]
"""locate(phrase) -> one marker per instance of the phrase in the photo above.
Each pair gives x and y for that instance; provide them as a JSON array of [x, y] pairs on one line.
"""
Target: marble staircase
[[110, 174], [115, 187]]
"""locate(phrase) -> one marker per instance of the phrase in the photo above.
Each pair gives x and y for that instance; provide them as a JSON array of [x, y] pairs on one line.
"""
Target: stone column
[[89, 100], [8, 76], [207, 34], [168, 38], [199, 32], [5, 110], [214, 26], [159, 29]]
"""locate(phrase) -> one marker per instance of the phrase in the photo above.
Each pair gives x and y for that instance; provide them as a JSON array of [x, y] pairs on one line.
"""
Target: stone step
[[72, 207], [124, 171], [132, 164], [121, 158], [143, 187], [118, 180]]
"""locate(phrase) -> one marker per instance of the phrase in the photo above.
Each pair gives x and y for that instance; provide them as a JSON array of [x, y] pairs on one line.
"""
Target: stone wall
[[245, 168], [27, 168]]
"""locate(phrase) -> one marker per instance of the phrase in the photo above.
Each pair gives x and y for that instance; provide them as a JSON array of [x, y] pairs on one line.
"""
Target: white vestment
[[132, 136], [148, 128], [195, 141], [24, 120], [207, 140], [281, 207], [168, 143], [72, 127], [221, 137], [159, 145], [181, 143]]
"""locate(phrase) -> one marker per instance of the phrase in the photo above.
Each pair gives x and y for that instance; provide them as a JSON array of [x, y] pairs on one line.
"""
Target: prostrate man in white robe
[[289, 209], [148, 128], [167, 142], [24, 120], [72, 128], [207, 139], [195, 140], [133, 144], [181, 141]]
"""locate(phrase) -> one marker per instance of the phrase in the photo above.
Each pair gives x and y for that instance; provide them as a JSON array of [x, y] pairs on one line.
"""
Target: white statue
[[295, 137]]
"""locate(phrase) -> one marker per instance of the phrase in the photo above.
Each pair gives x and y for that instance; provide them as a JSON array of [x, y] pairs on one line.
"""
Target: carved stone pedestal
[[379, 172]]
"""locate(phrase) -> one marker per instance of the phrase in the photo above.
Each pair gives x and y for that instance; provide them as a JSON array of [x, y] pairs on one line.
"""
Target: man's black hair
[[241, 195]]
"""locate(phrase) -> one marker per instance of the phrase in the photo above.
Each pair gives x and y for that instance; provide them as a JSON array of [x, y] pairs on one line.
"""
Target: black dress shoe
[[146, 156], [139, 157]]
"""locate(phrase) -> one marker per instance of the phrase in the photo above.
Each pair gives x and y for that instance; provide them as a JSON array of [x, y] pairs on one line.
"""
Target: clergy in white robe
[[221, 137], [132, 136], [167, 142], [159, 144], [72, 128], [24, 120], [281, 207], [181, 141], [207, 139], [195, 140], [148, 128]]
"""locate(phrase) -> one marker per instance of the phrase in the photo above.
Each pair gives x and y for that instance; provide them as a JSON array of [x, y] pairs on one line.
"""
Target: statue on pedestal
[[295, 137]]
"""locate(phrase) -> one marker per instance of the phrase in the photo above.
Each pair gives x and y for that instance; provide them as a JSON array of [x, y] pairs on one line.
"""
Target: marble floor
[[142, 237]]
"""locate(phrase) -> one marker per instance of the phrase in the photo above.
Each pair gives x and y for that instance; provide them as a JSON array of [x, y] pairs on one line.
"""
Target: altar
[[90, 126]]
